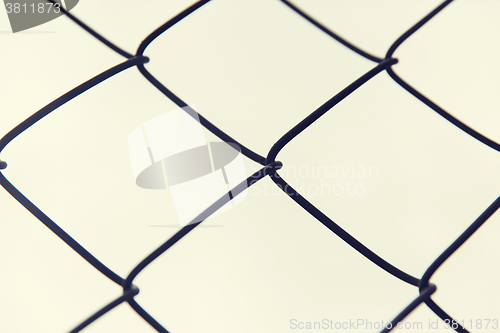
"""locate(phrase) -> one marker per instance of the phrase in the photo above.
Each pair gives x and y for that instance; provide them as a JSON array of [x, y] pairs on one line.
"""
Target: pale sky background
[[255, 69]]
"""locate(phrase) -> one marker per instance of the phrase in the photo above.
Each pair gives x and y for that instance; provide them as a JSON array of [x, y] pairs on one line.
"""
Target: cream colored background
[[253, 68]]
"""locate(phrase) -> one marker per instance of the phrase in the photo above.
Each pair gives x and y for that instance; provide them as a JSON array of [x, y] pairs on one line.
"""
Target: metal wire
[[269, 163]]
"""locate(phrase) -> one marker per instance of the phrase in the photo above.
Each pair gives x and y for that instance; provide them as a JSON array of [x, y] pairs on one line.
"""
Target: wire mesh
[[269, 164]]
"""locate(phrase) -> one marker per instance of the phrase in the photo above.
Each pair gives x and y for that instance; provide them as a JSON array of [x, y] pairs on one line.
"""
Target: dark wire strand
[[207, 124], [174, 98], [331, 33], [167, 25], [417, 26], [424, 295], [465, 128], [93, 32], [344, 235], [67, 97], [123, 298], [443, 315], [429, 302], [59, 231], [127, 284], [25, 201], [424, 282], [309, 120], [146, 316], [459, 242], [201, 217]]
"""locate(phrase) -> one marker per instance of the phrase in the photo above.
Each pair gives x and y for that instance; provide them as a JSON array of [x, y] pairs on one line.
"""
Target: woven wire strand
[[269, 167]]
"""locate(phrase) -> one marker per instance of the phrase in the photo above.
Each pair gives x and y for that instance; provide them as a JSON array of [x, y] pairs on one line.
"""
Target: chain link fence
[[269, 164]]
